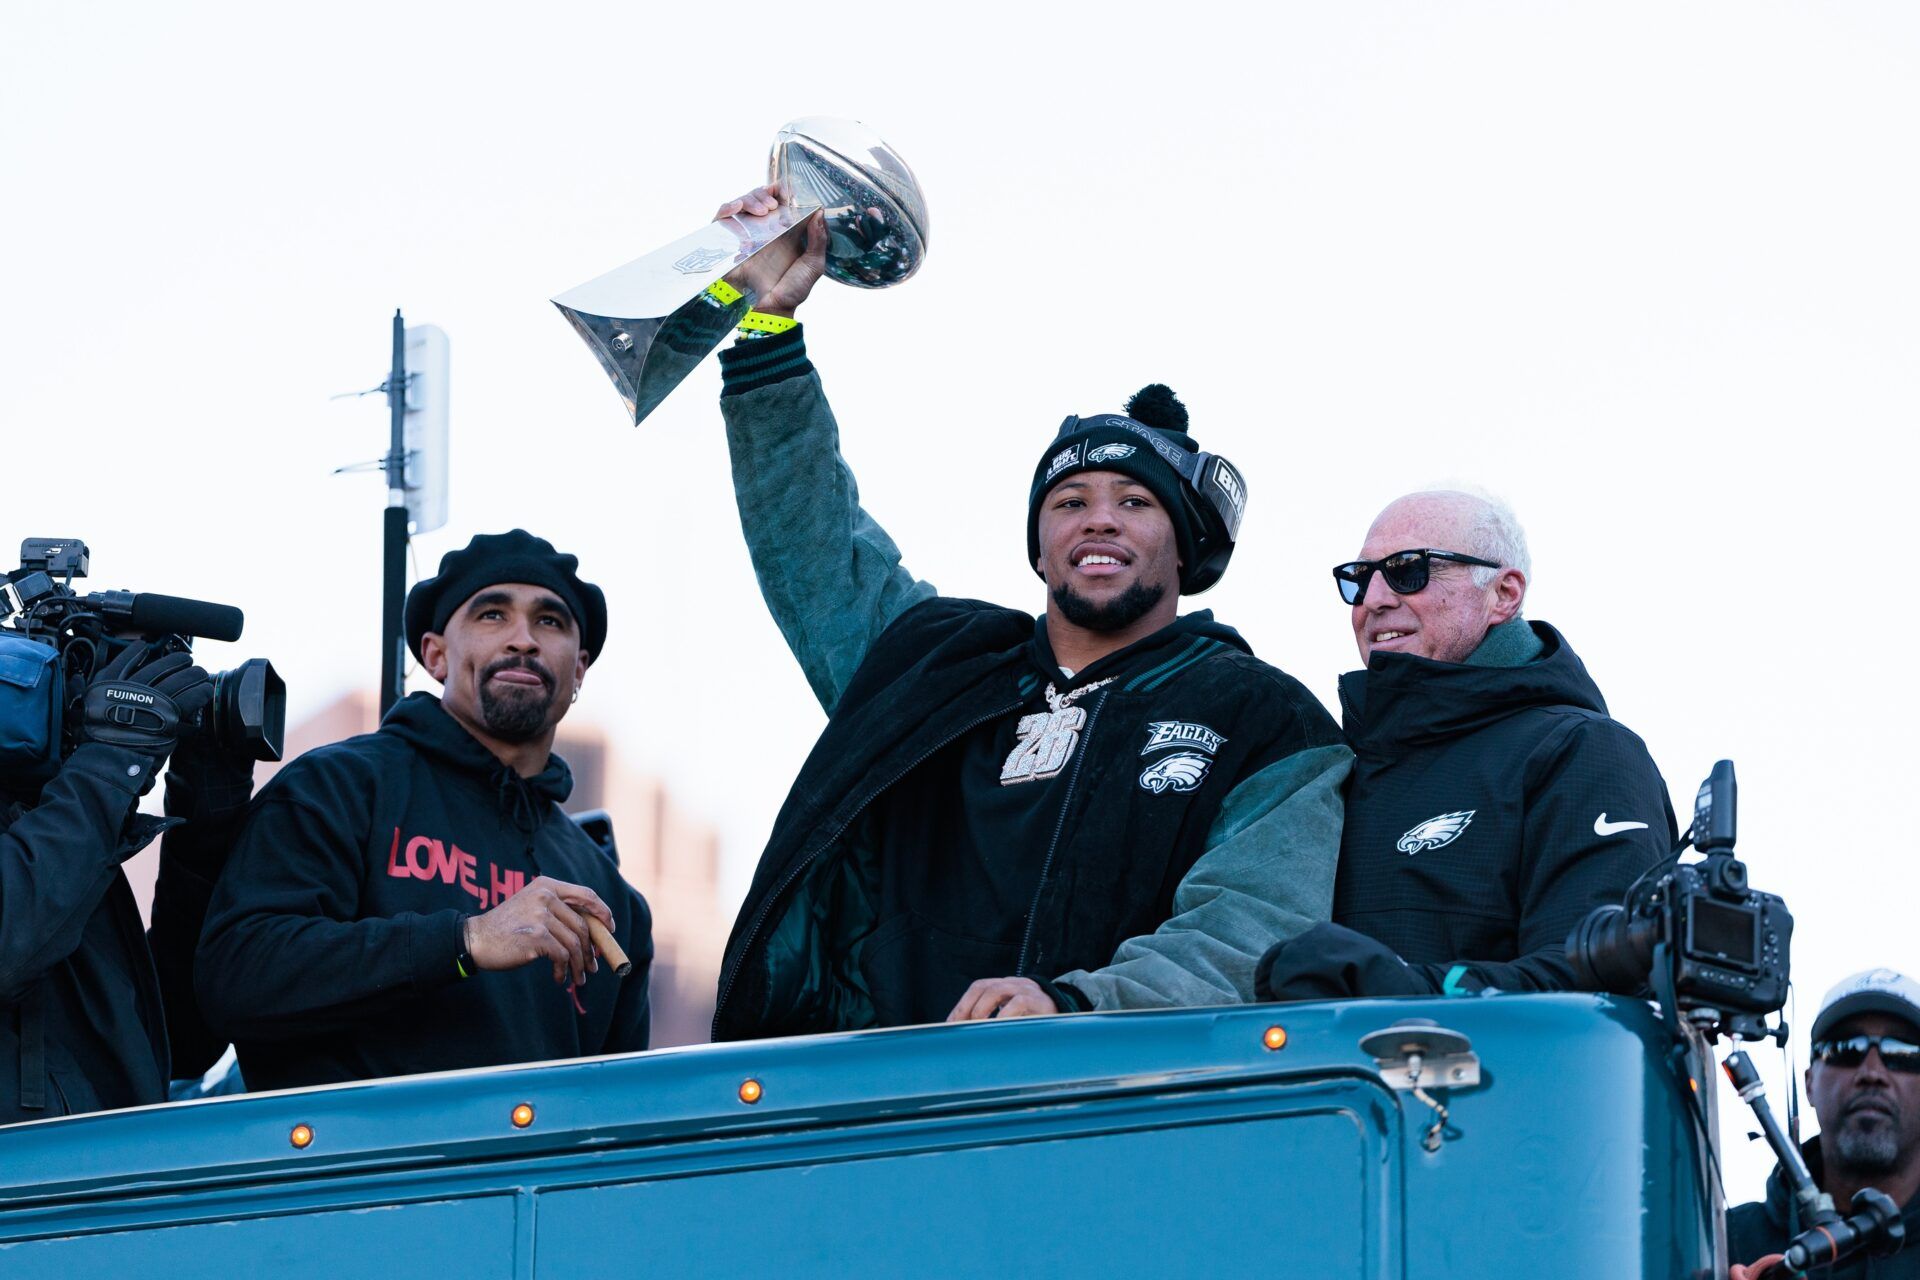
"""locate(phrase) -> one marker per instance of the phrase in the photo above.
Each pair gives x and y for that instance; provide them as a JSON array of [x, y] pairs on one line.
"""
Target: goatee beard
[[520, 716], [1117, 614], [1872, 1151]]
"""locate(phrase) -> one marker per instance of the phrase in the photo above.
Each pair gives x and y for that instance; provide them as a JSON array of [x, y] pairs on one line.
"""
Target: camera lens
[[249, 711], [1612, 951]]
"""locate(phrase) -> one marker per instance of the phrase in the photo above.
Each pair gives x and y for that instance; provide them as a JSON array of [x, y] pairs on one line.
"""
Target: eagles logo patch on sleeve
[[1182, 772]]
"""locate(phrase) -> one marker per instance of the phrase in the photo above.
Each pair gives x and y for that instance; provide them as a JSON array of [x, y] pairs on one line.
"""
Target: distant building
[[669, 856]]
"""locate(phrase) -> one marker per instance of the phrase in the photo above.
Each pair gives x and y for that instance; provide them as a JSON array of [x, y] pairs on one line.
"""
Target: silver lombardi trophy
[[650, 322]]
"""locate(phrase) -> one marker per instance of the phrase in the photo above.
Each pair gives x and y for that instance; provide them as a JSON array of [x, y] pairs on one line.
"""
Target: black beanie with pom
[[1147, 443]]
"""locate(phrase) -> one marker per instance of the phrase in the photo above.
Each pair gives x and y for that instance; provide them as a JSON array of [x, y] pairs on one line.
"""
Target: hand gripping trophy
[[650, 322]]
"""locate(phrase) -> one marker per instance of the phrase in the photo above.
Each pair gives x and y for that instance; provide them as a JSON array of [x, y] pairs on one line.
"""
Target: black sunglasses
[[1405, 571], [1897, 1054]]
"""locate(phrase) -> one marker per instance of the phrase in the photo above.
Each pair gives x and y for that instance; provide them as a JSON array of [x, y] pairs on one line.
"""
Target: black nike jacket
[[1490, 809]]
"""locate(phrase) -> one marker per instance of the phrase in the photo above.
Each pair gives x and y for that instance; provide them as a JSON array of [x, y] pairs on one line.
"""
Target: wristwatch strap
[[463, 963]]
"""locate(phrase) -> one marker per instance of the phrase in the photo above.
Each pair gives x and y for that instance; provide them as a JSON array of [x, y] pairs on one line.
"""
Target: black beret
[[493, 558]]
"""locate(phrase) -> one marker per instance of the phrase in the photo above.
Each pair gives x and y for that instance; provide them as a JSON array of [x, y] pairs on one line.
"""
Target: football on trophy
[[876, 215]]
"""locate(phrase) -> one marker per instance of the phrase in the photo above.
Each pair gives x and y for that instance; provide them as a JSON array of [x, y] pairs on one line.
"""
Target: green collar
[[1511, 644]]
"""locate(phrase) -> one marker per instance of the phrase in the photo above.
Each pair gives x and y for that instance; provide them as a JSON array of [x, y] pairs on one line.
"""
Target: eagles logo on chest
[[1436, 832], [1186, 768], [1183, 772]]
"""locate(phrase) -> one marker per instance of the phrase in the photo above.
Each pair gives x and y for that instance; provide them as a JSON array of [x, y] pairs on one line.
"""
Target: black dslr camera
[[1725, 945], [52, 640]]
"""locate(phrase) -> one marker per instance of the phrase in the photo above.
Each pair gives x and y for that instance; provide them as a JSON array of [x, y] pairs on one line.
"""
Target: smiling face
[[1869, 1116], [1448, 618], [510, 662], [1108, 552]]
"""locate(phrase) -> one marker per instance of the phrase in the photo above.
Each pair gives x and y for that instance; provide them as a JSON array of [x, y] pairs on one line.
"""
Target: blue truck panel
[[1167, 1143]]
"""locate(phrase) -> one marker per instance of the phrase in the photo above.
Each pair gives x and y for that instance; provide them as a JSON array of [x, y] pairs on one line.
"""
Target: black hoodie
[[330, 946], [1761, 1227], [1489, 810]]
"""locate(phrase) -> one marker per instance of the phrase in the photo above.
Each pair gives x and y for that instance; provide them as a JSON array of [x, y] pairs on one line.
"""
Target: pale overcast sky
[[1647, 270]]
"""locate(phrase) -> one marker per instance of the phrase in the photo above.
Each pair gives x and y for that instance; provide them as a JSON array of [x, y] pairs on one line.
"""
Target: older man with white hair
[[1493, 801]]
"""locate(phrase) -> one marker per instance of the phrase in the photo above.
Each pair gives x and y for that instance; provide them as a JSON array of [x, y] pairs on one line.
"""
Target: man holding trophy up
[[1109, 806]]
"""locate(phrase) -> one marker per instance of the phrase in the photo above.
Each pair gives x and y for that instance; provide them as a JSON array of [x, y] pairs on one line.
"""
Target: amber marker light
[[523, 1115], [301, 1137], [750, 1091], [1276, 1038]]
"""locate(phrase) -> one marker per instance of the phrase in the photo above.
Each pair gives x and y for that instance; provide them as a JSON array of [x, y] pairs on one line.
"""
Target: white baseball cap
[[1869, 991]]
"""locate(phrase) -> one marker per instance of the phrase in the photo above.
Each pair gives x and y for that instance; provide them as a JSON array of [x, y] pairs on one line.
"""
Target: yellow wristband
[[761, 322], [723, 293]]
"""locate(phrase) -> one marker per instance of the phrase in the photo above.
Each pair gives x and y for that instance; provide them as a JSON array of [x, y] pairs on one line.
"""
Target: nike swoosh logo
[[1601, 827]]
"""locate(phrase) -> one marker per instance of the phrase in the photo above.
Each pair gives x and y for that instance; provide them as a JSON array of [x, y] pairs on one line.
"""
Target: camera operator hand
[[784, 274], [140, 701], [1757, 1269], [209, 785], [546, 919]]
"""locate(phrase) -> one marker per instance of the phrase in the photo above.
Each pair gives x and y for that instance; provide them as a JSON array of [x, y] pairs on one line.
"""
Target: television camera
[[53, 639]]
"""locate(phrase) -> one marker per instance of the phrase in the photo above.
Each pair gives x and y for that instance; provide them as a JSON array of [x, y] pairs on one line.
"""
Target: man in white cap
[[1864, 1081]]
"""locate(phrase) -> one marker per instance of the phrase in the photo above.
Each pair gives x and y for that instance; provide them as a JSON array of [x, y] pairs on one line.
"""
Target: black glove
[[208, 785], [140, 701], [1331, 962], [207, 782]]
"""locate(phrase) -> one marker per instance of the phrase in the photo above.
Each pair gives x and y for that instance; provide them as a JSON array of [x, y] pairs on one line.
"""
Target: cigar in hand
[[609, 949]]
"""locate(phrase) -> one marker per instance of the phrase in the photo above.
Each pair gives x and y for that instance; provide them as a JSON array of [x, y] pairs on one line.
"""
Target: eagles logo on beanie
[[491, 559], [1150, 444]]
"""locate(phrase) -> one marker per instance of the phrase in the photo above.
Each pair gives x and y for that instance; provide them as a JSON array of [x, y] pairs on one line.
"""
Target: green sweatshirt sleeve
[[1266, 875], [829, 573]]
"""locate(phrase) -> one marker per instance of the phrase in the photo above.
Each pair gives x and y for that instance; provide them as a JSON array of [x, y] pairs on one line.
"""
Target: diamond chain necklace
[[1060, 702]]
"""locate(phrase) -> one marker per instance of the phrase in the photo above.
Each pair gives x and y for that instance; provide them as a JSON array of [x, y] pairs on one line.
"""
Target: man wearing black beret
[[1104, 806], [392, 897]]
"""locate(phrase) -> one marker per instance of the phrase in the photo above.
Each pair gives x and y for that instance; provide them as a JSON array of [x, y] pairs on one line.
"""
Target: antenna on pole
[[415, 466]]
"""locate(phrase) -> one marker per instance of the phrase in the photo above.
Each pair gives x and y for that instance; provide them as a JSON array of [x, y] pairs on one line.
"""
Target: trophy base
[[646, 359]]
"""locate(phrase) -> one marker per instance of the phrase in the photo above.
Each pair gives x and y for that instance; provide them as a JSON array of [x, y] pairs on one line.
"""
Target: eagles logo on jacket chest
[[1436, 832]]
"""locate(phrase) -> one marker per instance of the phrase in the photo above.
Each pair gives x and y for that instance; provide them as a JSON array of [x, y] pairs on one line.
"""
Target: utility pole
[[415, 466], [393, 552]]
